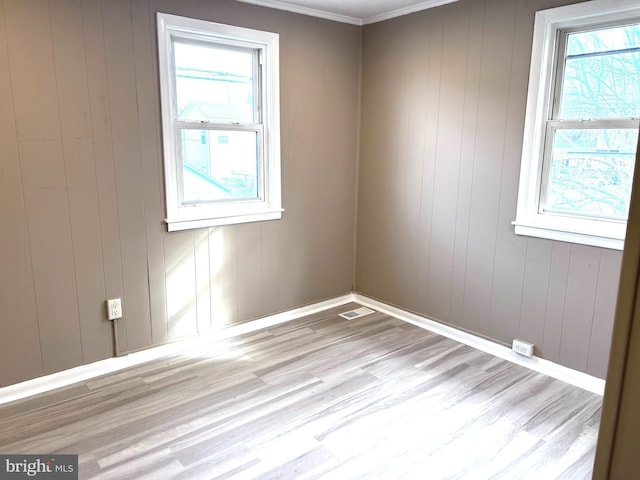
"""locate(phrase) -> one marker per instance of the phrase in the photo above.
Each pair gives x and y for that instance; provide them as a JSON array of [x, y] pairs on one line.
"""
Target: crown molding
[[406, 11], [336, 17], [305, 11]]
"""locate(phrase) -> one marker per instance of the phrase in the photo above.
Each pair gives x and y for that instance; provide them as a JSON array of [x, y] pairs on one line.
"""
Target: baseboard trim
[[81, 373], [566, 374], [85, 372]]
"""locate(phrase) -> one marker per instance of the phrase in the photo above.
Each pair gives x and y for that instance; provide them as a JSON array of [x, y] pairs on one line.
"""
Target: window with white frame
[[220, 121], [581, 127]]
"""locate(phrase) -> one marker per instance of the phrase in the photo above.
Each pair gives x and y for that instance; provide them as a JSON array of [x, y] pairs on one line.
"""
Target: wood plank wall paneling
[[339, 181], [181, 299], [223, 276], [509, 263], [150, 147], [482, 257], [44, 177], [374, 219], [20, 342], [556, 299], [292, 234], [125, 131], [80, 168], [456, 258], [269, 267], [584, 267], [451, 105], [604, 310], [81, 184], [96, 72], [426, 159], [249, 270], [475, 27], [203, 285], [535, 291]]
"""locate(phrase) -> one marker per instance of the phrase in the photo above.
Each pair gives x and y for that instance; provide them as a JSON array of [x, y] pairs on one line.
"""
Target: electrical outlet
[[114, 308], [522, 347]]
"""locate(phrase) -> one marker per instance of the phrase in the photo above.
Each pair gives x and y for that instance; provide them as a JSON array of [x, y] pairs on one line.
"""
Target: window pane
[[602, 74], [591, 172], [219, 165], [214, 84], [603, 40]]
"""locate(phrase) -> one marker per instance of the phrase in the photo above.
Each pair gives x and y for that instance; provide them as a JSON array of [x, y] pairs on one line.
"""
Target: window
[[581, 127], [220, 122]]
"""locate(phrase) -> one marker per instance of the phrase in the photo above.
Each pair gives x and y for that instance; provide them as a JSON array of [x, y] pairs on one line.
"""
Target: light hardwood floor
[[320, 397]]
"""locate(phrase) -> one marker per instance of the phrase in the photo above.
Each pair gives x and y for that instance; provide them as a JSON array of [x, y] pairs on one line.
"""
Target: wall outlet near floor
[[522, 347], [114, 308]]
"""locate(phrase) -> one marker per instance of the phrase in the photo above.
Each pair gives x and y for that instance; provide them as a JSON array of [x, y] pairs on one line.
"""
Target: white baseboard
[[568, 375], [102, 367], [92, 370]]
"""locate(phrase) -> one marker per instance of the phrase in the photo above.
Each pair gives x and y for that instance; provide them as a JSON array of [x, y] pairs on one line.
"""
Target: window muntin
[[581, 125], [219, 95]]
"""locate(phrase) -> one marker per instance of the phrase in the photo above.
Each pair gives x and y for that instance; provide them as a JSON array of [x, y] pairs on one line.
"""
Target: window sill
[[175, 225], [564, 235]]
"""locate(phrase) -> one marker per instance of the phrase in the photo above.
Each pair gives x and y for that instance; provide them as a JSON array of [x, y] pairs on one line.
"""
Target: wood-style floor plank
[[319, 397]]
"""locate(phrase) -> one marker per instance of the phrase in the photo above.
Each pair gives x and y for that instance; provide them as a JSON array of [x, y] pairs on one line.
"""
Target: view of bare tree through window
[[594, 132]]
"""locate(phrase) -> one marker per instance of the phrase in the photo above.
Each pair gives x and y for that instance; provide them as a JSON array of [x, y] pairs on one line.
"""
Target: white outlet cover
[[522, 347], [114, 308]]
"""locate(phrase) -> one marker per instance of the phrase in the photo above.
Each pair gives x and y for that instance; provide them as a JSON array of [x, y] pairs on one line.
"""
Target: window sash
[[261, 161], [555, 123], [561, 58], [552, 127], [258, 114], [258, 52]]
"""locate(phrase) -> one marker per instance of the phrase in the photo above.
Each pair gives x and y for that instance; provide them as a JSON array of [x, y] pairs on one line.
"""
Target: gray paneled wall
[[81, 184], [444, 96]]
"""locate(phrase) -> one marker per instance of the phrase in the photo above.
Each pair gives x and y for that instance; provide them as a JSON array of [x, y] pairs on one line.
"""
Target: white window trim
[[529, 221], [269, 207]]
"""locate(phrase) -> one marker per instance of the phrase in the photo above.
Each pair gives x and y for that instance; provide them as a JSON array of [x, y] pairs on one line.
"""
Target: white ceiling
[[357, 12]]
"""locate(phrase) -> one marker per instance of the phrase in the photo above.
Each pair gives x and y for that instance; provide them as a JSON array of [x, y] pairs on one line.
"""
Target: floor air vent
[[357, 313]]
